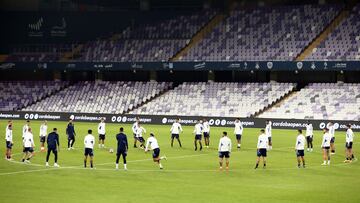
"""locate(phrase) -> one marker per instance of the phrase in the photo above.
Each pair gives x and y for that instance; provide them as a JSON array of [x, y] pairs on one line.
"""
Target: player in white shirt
[[332, 133], [262, 145], [102, 133], [42, 135], [139, 135], [198, 130], [325, 144], [9, 140], [89, 143], [206, 131], [224, 150], [25, 128], [134, 128], [152, 144], [299, 148], [29, 145], [268, 129], [309, 136], [175, 130], [238, 131], [348, 146]]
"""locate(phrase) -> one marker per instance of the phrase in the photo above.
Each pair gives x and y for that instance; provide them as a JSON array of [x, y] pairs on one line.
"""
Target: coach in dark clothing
[[122, 147], [70, 132], [53, 146]]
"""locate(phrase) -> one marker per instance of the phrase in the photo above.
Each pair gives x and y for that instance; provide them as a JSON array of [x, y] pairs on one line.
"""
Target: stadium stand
[[339, 101], [269, 33], [101, 96], [150, 42], [39, 52], [19, 94], [216, 99], [343, 43]]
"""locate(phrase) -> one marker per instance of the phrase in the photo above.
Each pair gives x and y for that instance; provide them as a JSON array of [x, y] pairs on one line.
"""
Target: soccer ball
[[42, 149], [111, 150]]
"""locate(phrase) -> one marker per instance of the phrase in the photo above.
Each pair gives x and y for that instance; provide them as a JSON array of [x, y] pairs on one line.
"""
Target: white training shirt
[[28, 140], [25, 130], [206, 127], [268, 129], [224, 144], [309, 130], [140, 131], [332, 131], [134, 127], [176, 128], [43, 130], [349, 135], [263, 141], [101, 128], [300, 142], [89, 141], [8, 135], [326, 140], [238, 128], [198, 129], [152, 143]]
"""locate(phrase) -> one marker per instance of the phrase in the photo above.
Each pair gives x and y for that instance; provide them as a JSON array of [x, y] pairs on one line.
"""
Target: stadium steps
[[206, 29], [159, 95], [343, 14], [277, 103], [3, 57], [70, 55]]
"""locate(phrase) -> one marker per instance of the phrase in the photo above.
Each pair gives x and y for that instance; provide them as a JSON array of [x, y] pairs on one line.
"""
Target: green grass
[[188, 176]]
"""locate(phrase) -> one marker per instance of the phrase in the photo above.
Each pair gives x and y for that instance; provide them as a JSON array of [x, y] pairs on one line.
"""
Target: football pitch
[[188, 175]]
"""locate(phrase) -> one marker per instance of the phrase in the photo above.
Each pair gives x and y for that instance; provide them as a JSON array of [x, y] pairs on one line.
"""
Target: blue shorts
[[156, 153], [140, 139], [28, 149], [89, 152], [121, 152], [206, 134], [261, 152], [198, 137], [224, 154], [9, 145], [299, 153], [42, 139], [174, 136], [332, 140], [348, 145], [238, 136]]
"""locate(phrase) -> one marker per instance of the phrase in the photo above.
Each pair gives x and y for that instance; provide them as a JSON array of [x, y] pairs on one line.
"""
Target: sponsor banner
[[188, 66], [184, 120]]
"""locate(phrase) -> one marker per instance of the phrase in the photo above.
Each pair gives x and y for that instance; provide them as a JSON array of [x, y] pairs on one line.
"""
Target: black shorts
[[348, 145], [206, 134], [261, 152], [9, 145], [52, 149], [309, 138], [42, 139], [140, 139], [174, 136], [299, 153], [156, 153], [89, 152], [327, 148], [198, 137], [332, 140], [269, 138], [101, 136], [28, 149], [121, 152], [238, 136], [224, 154]]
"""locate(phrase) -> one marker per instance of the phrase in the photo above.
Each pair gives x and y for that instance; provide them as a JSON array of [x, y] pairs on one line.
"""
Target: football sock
[[85, 163], [91, 164], [179, 142]]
